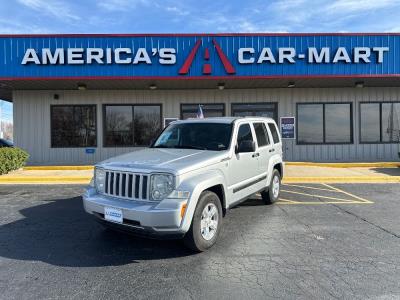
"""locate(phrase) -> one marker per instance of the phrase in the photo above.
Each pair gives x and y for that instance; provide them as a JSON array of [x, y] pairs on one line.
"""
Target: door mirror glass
[[246, 146]]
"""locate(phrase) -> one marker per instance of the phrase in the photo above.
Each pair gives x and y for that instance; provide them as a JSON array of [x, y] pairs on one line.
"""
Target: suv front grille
[[127, 185]]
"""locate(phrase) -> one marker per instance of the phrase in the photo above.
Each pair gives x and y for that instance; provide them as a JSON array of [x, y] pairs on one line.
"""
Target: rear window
[[261, 134], [274, 132]]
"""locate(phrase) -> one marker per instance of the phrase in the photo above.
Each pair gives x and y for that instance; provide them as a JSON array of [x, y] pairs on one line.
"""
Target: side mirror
[[246, 146]]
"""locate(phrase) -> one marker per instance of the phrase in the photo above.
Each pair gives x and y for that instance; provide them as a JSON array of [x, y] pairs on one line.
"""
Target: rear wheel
[[271, 195], [206, 223]]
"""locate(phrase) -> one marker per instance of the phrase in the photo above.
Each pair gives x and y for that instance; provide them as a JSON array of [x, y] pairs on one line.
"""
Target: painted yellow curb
[[45, 180], [358, 179], [346, 165], [55, 168]]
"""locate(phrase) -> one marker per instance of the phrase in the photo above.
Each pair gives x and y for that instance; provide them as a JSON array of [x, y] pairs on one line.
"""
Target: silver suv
[[182, 186]]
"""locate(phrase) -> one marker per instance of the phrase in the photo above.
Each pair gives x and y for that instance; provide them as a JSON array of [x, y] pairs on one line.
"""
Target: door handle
[[271, 150], [255, 155]]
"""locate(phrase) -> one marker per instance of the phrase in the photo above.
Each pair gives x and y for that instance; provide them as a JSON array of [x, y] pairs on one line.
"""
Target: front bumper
[[151, 219]]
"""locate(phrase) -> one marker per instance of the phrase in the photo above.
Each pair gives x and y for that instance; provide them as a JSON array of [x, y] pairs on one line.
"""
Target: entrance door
[[261, 109]]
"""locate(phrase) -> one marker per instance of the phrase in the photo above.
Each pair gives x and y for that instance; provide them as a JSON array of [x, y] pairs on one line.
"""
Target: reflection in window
[[338, 123], [131, 125], [73, 126], [369, 122], [269, 110], [244, 134], [118, 126], [310, 124], [326, 123], [261, 134], [209, 110], [390, 122]]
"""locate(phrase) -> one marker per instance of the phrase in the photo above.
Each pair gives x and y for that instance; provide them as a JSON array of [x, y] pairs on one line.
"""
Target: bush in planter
[[12, 159]]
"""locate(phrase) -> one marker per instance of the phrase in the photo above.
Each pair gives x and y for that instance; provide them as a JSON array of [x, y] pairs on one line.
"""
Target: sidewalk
[[294, 173]]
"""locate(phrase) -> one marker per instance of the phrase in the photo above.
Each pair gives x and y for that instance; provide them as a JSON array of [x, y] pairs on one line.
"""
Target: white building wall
[[32, 119]]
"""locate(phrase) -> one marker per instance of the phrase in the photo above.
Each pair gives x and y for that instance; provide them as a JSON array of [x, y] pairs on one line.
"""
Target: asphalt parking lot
[[319, 242]]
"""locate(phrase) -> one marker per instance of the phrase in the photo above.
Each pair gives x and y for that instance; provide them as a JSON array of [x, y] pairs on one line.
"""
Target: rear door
[[277, 143], [264, 146]]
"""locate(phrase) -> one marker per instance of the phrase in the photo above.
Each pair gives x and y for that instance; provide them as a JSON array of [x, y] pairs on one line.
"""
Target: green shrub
[[12, 159]]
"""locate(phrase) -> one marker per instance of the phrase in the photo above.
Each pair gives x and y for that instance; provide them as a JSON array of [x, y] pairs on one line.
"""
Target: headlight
[[161, 185], [99, 179]]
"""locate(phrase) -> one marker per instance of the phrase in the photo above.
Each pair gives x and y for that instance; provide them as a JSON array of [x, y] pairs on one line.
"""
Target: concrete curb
[[45, 180], [56, 168], [357, 179], [347, 165]]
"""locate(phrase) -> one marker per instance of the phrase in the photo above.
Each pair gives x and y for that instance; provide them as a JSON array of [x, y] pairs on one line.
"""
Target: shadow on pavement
[[387, 171], [61, 233]]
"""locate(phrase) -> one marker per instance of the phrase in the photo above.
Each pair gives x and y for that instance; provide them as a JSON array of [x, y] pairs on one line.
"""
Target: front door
[[243, 166]]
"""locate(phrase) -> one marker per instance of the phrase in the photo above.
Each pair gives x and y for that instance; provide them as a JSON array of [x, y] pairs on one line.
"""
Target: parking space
[[346, 246]]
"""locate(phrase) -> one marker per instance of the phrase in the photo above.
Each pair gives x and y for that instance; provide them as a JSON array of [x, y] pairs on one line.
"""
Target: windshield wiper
[[190, 147], [161, 146]]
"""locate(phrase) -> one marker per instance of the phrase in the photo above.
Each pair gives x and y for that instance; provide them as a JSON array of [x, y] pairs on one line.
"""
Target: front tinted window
[[310, 123], [131, 125], [369, 122], [274, 132], [337, 123], [261, 134], [390, 122], [209, 110], [206, 136], [73, 126], [244, 134]]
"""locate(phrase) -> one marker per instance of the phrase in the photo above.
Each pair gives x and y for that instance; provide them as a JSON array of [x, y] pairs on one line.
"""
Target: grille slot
[[127, 185]]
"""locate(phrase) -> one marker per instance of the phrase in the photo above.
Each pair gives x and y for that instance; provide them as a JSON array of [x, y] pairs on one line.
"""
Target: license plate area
[[113, 214]]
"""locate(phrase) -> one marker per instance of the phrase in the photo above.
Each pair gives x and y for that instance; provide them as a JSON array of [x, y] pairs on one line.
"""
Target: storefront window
[[73, 126], [269, 110], [324, 123], [380, 122], [369, 123], [310, 120], [131, 125], [209, 110]]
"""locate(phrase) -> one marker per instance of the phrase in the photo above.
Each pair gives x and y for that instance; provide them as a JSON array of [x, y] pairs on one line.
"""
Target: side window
[[274, 132], [261, 134], [244, 133]]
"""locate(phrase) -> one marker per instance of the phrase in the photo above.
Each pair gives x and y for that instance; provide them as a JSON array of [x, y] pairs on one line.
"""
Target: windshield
[[6, 142], [203, 136]]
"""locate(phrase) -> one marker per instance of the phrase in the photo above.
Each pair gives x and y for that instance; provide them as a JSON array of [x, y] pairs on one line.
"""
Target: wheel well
[[219, 190], [279, 168]]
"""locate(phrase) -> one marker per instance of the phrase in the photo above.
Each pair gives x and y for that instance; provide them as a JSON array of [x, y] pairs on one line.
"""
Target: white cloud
[[14, 27], [55, 9], [177, 10], [121, 5], [350, 6]]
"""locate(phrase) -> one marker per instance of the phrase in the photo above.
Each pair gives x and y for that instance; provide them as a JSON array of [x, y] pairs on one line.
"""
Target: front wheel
[[271, 195], [206, 223]]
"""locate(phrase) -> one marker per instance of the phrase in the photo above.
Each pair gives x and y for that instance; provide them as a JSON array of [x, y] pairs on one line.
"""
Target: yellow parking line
[[328, 202], [318, 196], [347, 193], [309, 187], [289, 201]]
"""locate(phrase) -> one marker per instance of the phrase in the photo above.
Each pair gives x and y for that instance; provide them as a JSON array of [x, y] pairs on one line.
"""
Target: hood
[[176, 161]]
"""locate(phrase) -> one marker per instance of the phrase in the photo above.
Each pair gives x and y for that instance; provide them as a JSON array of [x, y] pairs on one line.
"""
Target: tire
[[199, 239], [271, 195]]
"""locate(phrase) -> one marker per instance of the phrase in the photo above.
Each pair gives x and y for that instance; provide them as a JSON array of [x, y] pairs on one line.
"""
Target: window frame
[[52, 106], [276, 110], [133, 112], [182, 104], [324, 125], [380, 122]]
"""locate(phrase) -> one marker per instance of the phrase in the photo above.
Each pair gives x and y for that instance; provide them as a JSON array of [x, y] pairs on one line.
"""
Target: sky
[[208, 16]]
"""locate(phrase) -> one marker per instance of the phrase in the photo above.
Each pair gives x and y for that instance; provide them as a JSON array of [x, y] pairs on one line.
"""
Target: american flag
[[200, 114]]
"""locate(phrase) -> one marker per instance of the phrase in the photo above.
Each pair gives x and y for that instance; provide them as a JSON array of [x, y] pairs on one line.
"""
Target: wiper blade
[[190, 147], [161, 146]]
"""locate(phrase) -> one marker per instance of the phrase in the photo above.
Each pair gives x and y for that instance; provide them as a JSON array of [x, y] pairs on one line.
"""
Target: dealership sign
[[203, 55]]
